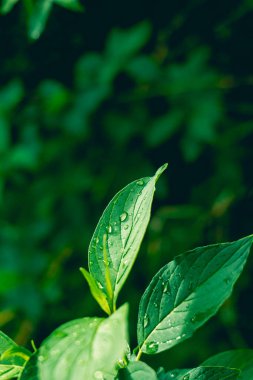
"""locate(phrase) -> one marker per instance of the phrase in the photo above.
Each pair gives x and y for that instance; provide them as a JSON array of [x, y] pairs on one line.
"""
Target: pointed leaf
[[87, 348], [137, 371], [186, 292], [118, 235], [241, 359]]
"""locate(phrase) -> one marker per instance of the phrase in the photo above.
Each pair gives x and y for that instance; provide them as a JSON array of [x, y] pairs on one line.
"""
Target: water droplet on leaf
[[146, 320], [123, 216], [140, 182], [152, 347]]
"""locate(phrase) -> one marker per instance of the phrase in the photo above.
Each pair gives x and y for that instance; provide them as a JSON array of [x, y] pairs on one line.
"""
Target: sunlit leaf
[[117, 238], [87, 348], [186, 292]]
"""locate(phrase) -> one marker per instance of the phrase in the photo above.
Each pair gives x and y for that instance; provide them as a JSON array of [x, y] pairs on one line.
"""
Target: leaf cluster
[[180, 298]]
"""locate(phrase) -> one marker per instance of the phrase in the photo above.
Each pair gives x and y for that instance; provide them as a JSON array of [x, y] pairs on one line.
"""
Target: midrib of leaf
[[185, 299], [124, 253]]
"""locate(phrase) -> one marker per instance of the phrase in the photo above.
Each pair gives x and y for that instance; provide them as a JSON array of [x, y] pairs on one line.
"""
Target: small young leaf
[[117, 238], [202, 373], [87, 348], [186, 292], [137, 371], [241, 359]]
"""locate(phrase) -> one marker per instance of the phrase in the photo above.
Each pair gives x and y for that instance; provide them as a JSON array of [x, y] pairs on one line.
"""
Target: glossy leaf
[[117, 238], [241, 359], [87, 348], [186, 292], [137, 371], [202, 373]]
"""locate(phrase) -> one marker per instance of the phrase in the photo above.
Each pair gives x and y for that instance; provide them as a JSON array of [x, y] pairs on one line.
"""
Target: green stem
[[139, 355]]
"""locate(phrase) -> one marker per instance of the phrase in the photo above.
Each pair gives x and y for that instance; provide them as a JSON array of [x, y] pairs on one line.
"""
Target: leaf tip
[[160, 171]]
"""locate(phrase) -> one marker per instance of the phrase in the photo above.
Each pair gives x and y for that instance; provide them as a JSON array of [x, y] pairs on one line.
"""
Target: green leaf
[[87, 348], [137, 371], [202, 373], [186, 292], [6, 343], [72, 5], [99, 296], [241, 359], [7, 5], [12, 358], [38, 18], [117, 238]]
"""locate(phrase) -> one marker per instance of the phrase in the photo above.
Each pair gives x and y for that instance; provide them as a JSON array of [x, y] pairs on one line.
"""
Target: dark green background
[[102, 98]]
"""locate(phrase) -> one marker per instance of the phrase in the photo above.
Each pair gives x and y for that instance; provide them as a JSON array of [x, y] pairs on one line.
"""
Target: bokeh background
[[104, 97]]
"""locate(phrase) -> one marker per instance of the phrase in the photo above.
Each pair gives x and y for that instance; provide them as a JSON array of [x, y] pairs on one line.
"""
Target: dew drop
[[126, 227], [97, 240], [41, 358], [193, 318], [140, 182], [123, 216], [109, 229], [152, 347], [155, 305], [186, 377], [100, 285], [166, 288], [178, 337], [146, 320]]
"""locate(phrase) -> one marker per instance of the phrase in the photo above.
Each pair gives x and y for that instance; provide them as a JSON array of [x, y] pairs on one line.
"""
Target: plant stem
[[139, 355]]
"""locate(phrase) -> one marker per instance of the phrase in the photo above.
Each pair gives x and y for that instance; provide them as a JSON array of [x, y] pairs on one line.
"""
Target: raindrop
[[146, 320], [100, 285], [123, 216], [140, 182], [169, 341], [126, 227], [178, 337], [155, 305], [166, 288], [152, 347], [193, 318], [41, 358], [186, 377], [97, 240], [109, 229]]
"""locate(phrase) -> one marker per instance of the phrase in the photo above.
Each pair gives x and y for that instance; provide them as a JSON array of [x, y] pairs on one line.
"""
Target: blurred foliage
[[111, 92]]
